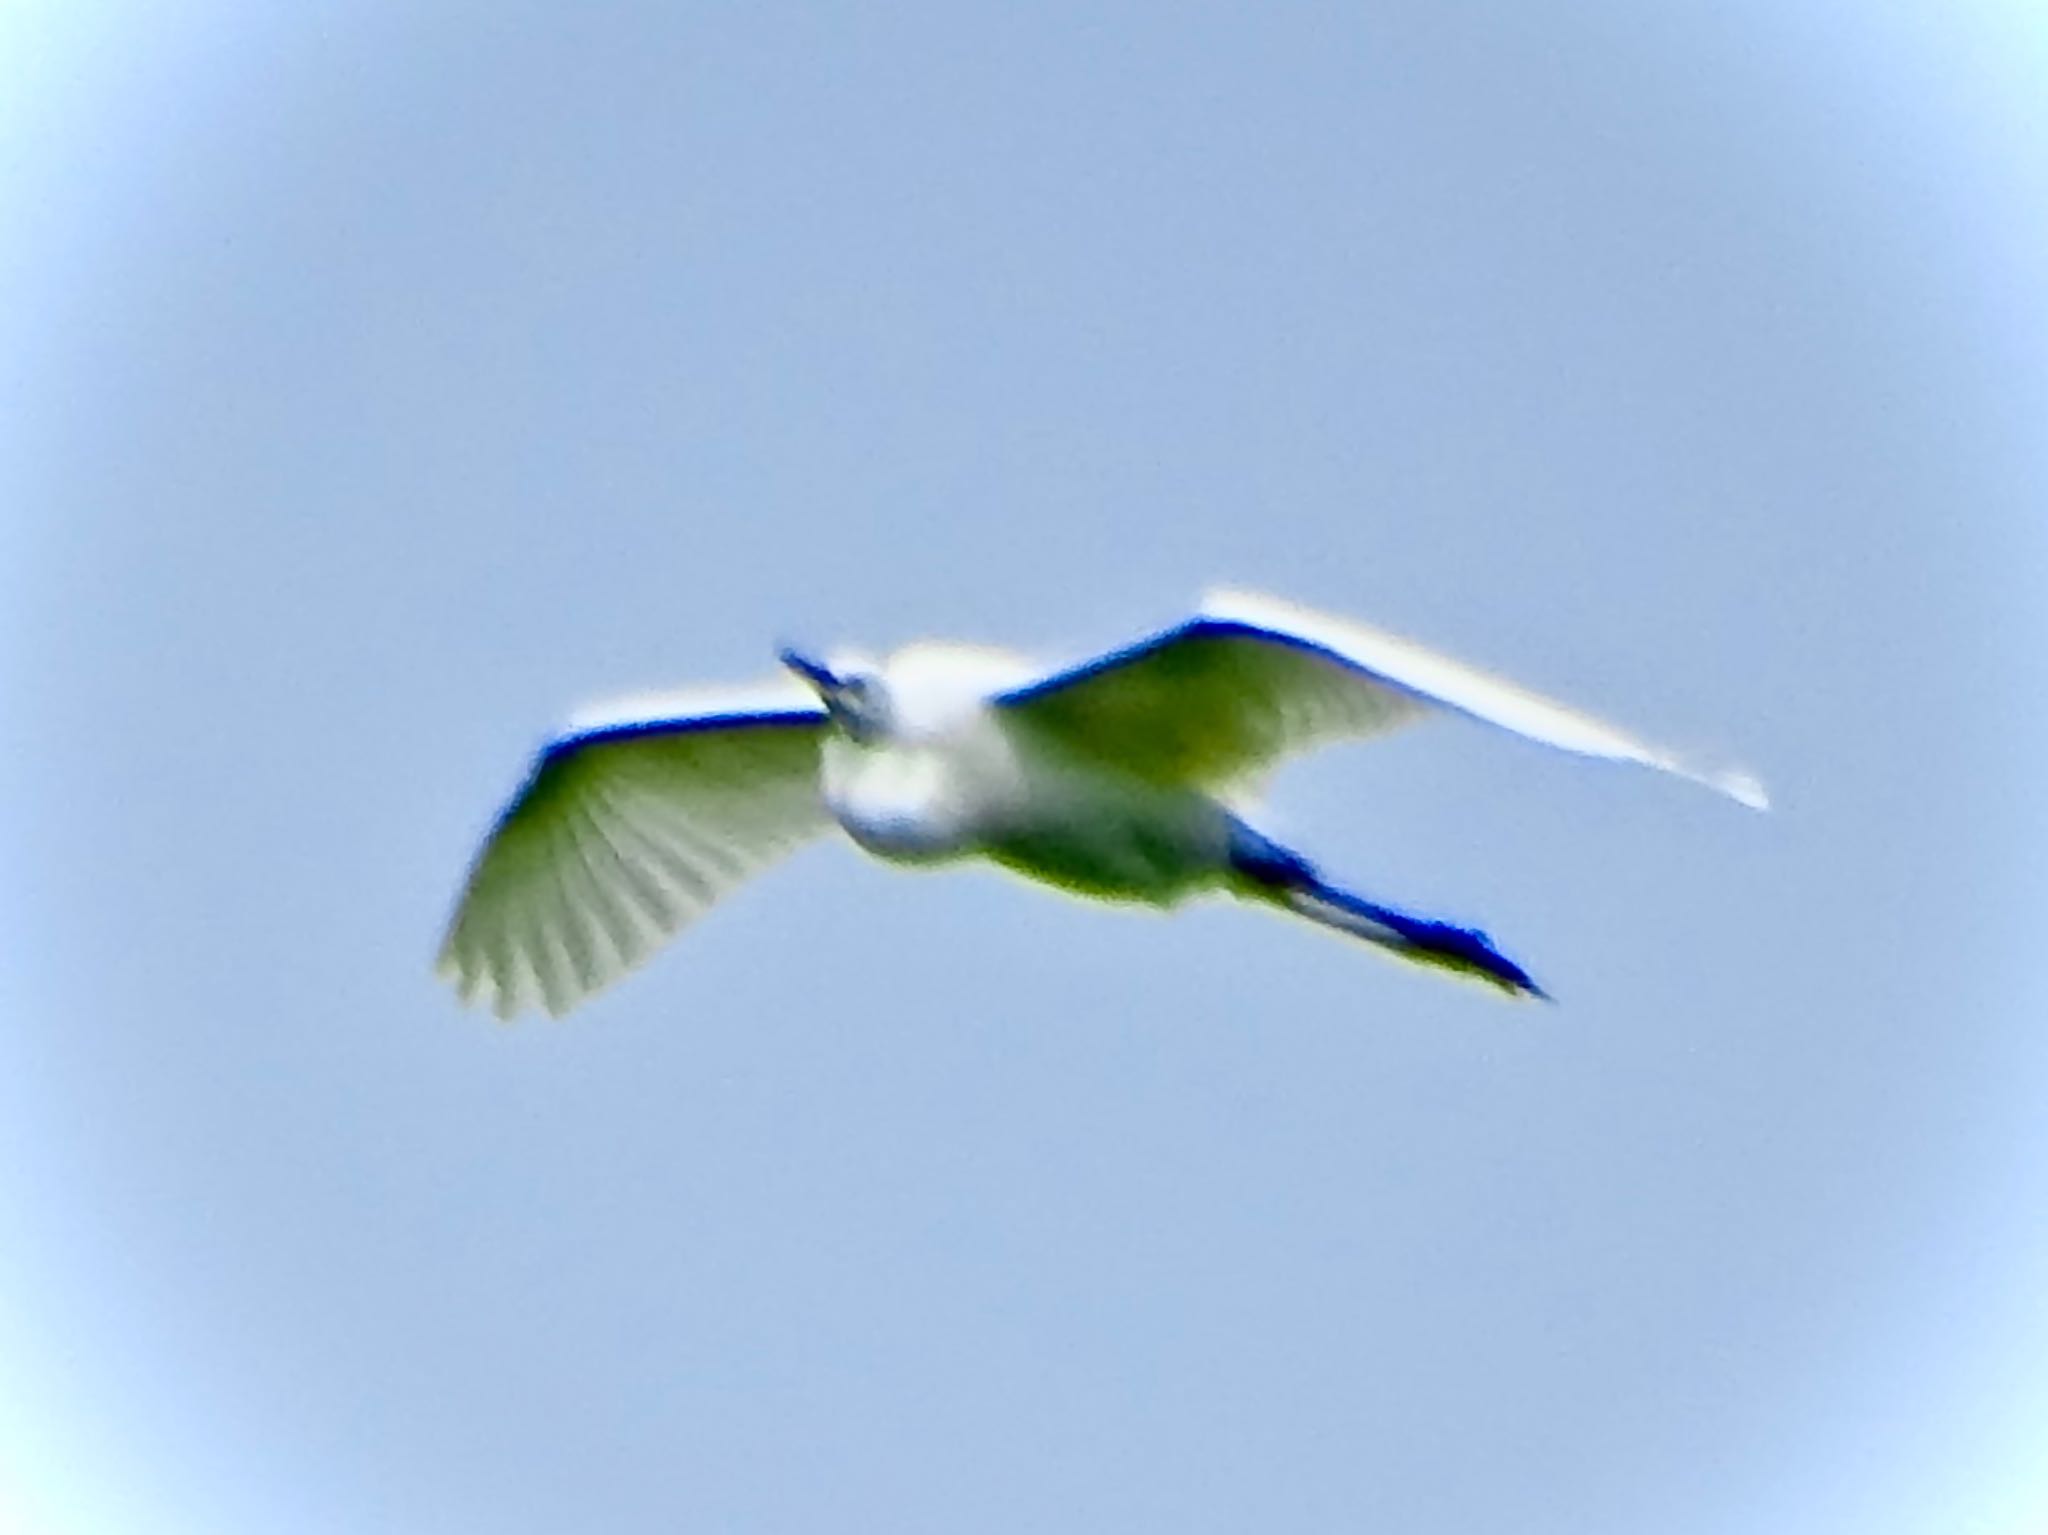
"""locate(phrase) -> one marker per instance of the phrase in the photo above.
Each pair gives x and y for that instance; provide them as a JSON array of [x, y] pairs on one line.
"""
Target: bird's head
[[854, 695]]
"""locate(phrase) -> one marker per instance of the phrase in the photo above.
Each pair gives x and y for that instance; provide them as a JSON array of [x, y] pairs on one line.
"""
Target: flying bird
[[1125, 777]]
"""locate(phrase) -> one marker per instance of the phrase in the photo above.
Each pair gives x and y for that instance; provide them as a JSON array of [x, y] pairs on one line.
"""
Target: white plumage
[[1122, 777]]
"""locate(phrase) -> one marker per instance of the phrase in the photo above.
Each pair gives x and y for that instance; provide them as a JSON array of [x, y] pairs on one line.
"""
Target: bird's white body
[[946, 770], [1120, 778], [956, 779]]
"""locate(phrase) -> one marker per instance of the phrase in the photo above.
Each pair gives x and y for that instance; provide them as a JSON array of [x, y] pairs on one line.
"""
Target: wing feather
[[626, 830], [1223, 697]]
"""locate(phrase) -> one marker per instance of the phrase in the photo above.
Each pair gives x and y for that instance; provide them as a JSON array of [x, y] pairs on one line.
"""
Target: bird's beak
[[816, 673]]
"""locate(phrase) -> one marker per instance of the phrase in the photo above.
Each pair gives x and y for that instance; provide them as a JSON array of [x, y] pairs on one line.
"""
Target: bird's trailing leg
[[1284, 878]]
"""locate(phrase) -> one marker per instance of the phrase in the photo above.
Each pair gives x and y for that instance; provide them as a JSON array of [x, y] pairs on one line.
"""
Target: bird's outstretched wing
[[1220, 698], [629, 826]]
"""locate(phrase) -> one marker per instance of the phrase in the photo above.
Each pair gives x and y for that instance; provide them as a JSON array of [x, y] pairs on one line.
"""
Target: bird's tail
[[1289, 881]]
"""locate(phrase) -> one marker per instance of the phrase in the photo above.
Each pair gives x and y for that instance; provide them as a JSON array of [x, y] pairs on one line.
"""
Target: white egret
[[1122, 777]]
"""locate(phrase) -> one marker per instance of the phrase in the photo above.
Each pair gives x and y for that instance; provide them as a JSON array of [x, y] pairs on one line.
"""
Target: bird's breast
[[915, 802]]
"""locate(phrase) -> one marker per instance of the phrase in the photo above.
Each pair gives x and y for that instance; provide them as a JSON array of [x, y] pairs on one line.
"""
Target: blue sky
[[378, 383]]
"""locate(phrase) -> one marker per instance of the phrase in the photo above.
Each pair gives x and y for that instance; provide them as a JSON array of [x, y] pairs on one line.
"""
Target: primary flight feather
[[1121, 777]]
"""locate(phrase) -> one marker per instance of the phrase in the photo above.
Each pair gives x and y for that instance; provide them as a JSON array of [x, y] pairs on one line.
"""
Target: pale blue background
[[377, 382]]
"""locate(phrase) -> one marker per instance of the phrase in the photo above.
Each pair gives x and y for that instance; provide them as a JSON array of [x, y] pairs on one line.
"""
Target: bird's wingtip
[[1746, 789], [1739, 784]]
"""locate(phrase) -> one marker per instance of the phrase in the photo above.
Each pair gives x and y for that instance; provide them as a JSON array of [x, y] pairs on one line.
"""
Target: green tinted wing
[[623, 834]]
